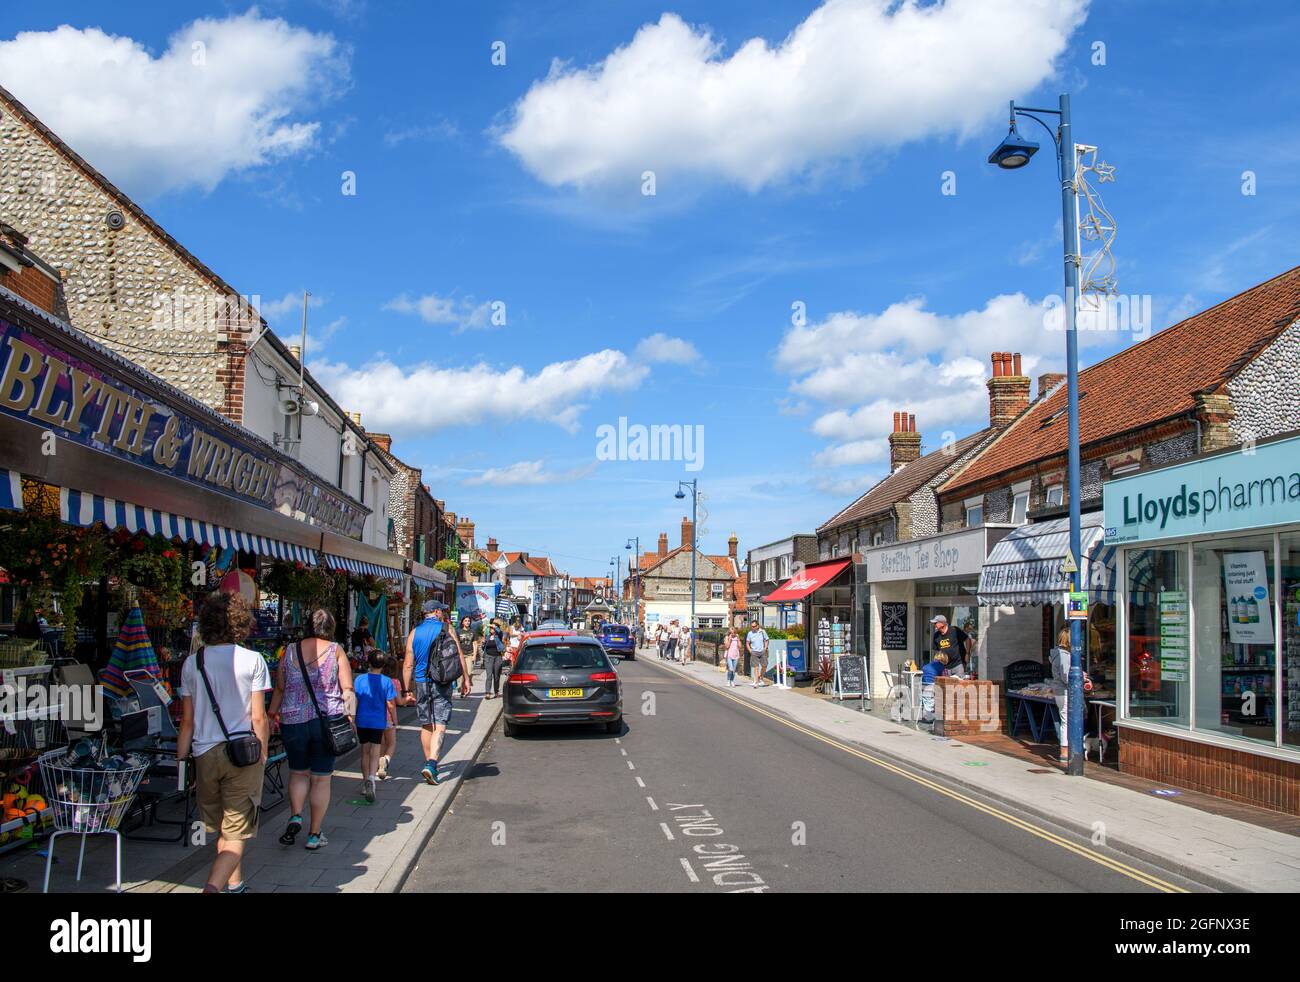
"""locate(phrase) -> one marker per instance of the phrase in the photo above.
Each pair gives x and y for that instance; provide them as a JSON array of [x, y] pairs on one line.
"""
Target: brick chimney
[[492, 545], [465, 532], [688, 532], [663, 544], [904, 442], [1048, 381], [732, 544], [382, 440], [1008, 389], [23, 273]]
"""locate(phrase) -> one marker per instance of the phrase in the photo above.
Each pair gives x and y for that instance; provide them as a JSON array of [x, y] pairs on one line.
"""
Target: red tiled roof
[[1146, 383], [906, 481]]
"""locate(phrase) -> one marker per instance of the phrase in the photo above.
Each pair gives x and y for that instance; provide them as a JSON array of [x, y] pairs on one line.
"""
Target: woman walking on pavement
[[314, 679], [674, 635], [492, 648], [465, 634], [733, 655]]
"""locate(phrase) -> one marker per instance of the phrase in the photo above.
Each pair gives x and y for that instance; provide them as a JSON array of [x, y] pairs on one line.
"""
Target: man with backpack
[[434, 660]]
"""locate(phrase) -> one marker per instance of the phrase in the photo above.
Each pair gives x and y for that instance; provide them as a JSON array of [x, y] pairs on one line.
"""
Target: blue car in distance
[[617, 639]]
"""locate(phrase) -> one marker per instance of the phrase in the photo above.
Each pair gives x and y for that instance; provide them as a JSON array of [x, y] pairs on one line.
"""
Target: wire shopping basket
[[22, 654], [88, 799]]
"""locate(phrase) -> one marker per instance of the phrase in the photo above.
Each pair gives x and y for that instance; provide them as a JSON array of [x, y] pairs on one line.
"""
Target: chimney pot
[[1016, 366], [904, 442], [1008, 389], [911, 423]]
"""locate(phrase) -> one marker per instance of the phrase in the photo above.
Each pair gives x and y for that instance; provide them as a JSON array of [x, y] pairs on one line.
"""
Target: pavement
[[700, 793], [372, 847], [1216, 851]]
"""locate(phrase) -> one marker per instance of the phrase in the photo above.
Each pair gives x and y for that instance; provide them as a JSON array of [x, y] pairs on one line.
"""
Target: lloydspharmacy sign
[[1257, 487]]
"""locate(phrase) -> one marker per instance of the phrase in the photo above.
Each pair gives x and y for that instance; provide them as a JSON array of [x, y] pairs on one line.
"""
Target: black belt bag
[[243, 748], [338, 732]]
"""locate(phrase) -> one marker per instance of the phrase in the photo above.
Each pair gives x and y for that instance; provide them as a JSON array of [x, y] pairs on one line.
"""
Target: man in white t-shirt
[[756, 641], [229, 797]]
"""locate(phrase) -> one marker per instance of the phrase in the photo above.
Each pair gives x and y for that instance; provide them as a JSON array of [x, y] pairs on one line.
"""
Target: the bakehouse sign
[[54, 389]]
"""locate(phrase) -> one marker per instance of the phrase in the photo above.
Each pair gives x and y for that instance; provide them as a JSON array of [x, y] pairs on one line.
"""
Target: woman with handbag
[[224, 724], [314, 703]]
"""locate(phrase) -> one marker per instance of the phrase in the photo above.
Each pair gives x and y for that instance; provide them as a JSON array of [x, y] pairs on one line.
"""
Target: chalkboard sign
[[850, 676], [893, 626], [1022, 673]]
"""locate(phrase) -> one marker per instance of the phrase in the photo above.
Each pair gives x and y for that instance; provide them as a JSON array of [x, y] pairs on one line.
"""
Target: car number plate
[[564, 693]]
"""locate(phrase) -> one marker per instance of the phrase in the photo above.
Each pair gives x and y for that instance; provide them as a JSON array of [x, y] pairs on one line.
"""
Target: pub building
[[1209, 622], [111, 443]]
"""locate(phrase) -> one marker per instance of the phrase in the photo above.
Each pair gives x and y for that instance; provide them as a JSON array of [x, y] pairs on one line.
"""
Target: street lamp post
[[694, 485], [613, 583], [635, 544], [1013, 153]]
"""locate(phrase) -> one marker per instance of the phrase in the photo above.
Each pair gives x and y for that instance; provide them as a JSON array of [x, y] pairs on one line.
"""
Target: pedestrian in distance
[[223, 703], [685, 654], [465, 635], [362, 639], [1060, 684], [661, 640], [732, 654], [756, 641], [314, 680], [388, 746], [674, 636], [376, 711], [434, 660], [493, 646], [515, 639]]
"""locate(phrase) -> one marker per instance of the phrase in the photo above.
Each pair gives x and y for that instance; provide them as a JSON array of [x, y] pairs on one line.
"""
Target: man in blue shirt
[[432, 701], [756, 641]]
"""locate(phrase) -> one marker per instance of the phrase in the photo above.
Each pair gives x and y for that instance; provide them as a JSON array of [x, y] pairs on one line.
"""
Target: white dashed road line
[[640, 783], [653, 806], [667, 831], [690, 873], [631, 766]]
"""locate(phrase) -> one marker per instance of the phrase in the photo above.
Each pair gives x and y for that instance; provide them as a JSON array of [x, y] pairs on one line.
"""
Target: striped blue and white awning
[[507, 608], [1025, 568], [360, 567], [11, 490], [85, 509], [425, 583]]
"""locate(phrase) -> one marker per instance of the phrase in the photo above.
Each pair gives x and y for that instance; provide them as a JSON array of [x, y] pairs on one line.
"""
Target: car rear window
[[619, 631], [561, 657]]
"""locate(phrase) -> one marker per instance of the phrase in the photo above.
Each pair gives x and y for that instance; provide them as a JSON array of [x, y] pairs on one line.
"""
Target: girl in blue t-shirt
[[376, 711]]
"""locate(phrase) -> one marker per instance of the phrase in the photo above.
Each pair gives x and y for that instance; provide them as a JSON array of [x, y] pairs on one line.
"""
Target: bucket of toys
[[89, 790]]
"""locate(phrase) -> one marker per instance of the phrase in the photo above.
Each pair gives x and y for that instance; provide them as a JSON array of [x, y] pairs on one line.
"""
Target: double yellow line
[[1146, 879]]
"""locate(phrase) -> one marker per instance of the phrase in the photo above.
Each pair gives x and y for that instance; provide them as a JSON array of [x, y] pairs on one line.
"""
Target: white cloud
[[319, 339], [225, 96], [427, 398], [528, 473], [431, 308], [863, 367], [855, 76], [290, 303], [662, 348]]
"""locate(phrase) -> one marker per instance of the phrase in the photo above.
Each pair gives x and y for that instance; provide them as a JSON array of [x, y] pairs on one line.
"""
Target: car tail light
[[604, 676], [519, 678]]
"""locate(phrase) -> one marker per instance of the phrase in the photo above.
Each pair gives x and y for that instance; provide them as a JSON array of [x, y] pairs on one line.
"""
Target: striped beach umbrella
[[132, 652]]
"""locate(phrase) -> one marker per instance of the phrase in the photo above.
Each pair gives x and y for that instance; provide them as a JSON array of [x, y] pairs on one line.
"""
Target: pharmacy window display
[[1211, 608]]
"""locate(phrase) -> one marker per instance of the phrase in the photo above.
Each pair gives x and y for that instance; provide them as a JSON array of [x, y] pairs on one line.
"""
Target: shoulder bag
[[243, 748], [339, 734]]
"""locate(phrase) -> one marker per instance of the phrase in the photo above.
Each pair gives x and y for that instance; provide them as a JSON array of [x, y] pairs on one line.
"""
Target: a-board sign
[[893, 626], [1022, 673], [850, 676]]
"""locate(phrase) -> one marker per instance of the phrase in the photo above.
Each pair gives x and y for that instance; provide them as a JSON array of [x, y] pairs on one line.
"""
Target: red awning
[[801, 584]]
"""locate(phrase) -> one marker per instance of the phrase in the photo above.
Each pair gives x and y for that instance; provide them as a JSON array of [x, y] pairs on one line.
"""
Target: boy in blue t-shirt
[[376, 710]]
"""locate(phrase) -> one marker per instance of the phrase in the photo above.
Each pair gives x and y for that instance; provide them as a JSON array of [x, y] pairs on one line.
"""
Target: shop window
[[1158, 635], [1236, 641], [1290, 646]]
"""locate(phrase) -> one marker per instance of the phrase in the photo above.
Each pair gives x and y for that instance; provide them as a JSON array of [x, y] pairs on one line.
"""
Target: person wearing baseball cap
[[952, 641], [432, 700]]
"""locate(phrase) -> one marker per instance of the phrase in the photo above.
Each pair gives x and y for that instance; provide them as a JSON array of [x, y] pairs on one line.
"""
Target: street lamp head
[[1014, 151], [680, 494]]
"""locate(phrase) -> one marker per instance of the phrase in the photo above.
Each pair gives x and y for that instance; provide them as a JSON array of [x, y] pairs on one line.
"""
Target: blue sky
[[799, 155]]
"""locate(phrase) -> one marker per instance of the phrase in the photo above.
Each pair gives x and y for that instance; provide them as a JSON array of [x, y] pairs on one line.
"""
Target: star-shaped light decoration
[[1104, 171]]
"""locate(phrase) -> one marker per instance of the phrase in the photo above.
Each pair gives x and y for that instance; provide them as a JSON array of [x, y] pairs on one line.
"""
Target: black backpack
[[443, 666]]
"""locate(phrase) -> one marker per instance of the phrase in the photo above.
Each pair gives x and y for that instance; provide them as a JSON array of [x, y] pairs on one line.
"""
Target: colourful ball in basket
[[237, 581]]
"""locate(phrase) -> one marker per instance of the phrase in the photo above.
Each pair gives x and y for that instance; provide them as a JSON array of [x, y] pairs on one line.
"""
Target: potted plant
[[825, 677]]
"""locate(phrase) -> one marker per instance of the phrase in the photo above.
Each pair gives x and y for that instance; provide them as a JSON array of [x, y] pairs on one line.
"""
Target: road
[[701, 794]]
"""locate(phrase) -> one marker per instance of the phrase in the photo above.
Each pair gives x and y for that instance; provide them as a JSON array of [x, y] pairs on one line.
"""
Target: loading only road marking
[[1112, 864], [723, 862]]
